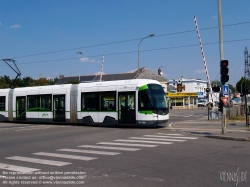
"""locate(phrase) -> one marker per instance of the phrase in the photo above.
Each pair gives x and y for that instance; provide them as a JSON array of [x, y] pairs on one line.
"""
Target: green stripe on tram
[[145, 111], [144, 87], [97, 111]]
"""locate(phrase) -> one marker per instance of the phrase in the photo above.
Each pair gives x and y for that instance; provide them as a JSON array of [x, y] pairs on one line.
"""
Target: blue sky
[[44, 36]]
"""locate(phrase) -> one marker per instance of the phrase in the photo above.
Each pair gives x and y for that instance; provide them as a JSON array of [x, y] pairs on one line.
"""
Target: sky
[[44, 37]]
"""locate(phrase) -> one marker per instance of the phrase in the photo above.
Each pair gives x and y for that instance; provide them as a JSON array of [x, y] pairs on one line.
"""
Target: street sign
[[225, 90], [224, 100]]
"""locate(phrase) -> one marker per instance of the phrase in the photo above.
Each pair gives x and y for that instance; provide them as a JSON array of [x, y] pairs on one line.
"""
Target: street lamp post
[[151, 35], [79, 53]]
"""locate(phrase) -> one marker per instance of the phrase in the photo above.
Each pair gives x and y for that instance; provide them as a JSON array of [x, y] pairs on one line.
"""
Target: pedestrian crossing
[[92, 152], [112, 148], [85, 158], [28, 127]]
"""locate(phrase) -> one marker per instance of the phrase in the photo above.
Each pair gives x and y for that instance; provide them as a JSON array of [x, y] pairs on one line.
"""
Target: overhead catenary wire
[[128, 52], [122, 41]]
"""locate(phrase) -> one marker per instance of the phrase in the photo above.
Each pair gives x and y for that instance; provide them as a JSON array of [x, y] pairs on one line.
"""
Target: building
[[188, 92], [144, 73]]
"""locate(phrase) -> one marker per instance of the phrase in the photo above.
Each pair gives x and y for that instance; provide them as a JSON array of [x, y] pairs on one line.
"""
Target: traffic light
[[220, 106], [216, 88], [224, 77]]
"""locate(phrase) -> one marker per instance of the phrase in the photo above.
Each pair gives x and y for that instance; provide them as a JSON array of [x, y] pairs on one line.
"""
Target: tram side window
[[39, 102], [89, 101], [107, 100], [2, 103], [145, 102], [46, 102]]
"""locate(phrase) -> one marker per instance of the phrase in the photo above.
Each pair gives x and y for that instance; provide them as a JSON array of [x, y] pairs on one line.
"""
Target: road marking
[[85, 158], [17, 168], [112, 148], [39, 161], [126, 144], [33, 128], [89, 151], [160, 139], [171, 134], [181, 137], [142, 141]]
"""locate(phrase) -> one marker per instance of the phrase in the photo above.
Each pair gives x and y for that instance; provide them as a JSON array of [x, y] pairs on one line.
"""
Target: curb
[[228, 138], [210, 136]]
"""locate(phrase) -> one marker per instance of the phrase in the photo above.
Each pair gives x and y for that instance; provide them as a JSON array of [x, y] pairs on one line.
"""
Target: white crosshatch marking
[[112, 148], [89, 151], [66, 156], [38, 161], [160, 139], [176, 137], [17, 168], [142, 141], [126, 144]]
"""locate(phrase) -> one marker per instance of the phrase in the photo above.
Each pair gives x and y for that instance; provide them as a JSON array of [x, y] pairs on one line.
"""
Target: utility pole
[[247, 74], [223, 115]]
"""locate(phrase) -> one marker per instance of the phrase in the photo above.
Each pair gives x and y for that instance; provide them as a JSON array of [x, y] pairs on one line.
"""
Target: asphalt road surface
[[63, 155]]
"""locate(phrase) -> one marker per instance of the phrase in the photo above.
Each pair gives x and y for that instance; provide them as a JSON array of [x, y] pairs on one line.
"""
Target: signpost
[[225, 90], [224, 100]]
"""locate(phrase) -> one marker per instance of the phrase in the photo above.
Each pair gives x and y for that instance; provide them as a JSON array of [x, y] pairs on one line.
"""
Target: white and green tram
[[107, 103]]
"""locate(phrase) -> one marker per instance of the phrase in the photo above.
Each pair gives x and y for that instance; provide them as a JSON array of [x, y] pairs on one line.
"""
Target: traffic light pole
[[223, 114]]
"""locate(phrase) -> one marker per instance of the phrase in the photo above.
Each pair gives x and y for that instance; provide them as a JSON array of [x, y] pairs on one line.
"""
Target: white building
[[191, 85]]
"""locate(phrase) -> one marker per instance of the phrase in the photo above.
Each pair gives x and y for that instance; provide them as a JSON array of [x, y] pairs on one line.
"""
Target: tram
[[107, 103]]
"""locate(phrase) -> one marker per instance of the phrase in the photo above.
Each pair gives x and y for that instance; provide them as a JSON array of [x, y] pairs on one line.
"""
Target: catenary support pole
[[223, 115]]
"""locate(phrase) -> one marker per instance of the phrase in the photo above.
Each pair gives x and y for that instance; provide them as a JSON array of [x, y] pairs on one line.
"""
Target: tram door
[[21, 108], [59, 108], [126, 108]]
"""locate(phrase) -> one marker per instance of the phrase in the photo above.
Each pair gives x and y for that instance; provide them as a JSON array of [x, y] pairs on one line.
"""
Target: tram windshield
[[153, 97]]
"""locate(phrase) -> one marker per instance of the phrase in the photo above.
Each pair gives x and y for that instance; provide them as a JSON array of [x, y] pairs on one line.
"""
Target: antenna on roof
[[101, 68]]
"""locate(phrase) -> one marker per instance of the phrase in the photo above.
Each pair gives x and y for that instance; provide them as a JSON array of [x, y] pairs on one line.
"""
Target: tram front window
[[153, 98], [159, 96]]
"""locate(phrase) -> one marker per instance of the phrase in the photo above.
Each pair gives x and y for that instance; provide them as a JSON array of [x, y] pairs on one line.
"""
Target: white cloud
[[86, 59], [15, 26], [94, 61], [199, 71], [214, 17]]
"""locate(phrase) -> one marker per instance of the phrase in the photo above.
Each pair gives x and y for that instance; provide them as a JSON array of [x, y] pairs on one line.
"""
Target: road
[[111, 157]]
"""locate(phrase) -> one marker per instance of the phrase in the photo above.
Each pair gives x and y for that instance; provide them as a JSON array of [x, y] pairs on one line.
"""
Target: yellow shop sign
[[183, 94]]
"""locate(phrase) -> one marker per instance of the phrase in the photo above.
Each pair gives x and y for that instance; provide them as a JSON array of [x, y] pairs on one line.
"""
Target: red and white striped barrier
[[203, 57]]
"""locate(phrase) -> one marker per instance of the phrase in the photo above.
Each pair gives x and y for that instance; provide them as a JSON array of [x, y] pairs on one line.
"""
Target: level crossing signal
[[216, 88], [224, 77]]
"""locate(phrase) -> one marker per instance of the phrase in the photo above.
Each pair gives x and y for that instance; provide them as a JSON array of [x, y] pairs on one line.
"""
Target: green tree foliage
[[240, 85], [73, 82], [232, 88], [5, 82], [215, 83]]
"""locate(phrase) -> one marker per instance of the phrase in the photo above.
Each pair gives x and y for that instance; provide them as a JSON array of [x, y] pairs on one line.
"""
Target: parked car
[[202, 103]]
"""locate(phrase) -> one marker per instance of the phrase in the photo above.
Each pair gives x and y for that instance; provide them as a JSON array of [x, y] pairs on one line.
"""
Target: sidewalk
[[212, 129]]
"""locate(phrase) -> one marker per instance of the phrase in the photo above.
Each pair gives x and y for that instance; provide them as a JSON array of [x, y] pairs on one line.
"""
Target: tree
[[5, 82], [215, 83], [240, 85], [232, 88], [73, 82]]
